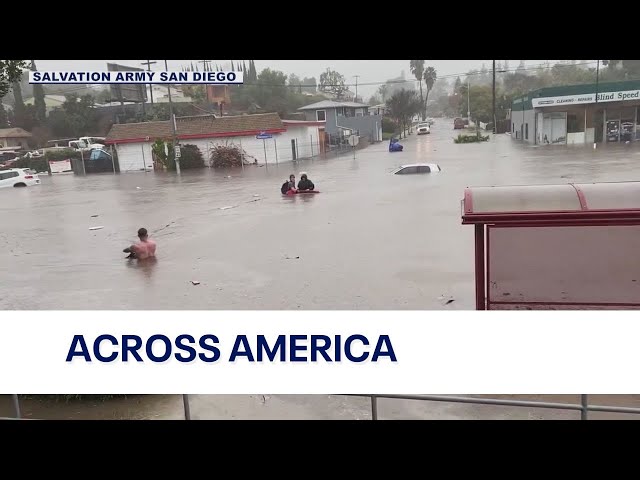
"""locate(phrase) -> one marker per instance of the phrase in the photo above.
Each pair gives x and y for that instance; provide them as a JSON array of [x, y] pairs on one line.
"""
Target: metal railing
[[583, 407]]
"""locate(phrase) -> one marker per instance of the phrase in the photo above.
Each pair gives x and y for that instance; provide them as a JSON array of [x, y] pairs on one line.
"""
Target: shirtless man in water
[[145, 248]]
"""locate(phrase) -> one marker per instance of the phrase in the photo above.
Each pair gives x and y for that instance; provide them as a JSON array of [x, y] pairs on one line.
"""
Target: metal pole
[[468, 99], [187, 407], [275, 147], [173, 123], [264, 146], [113, 160], [241, 154], [356, 77], [596, 106], [374, 407], [84, 169], [311, 137], [584, 403], [480, 273], [494, 97], [144, 163], [148, 63], [16, 406]]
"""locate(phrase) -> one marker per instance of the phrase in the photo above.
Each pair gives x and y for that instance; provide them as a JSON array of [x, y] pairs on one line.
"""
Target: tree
[[10, 73], [332, 82], [457, 85], [19, 109], [430, 76], [253, 74], [295, 83], [4, 118], [38, 98], [383, 90], [417, 68], [403, 106]]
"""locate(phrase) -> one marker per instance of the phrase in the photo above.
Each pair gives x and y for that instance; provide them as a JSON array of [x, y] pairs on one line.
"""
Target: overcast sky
[[369, 71]]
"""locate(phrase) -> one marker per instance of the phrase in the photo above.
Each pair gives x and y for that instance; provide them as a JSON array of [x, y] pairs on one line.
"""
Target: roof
[[573, 203], [197, 126], [14, 133], [434, 167], [332, 104]]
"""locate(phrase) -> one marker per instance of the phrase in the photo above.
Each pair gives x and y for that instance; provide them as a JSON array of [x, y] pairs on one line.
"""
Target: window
[[408, 170], [575, 123], [513, 128], [321, 115], [7, 175], [424, 169]]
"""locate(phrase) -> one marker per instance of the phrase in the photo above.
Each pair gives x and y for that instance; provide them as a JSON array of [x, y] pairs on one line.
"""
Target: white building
[[288, 139]]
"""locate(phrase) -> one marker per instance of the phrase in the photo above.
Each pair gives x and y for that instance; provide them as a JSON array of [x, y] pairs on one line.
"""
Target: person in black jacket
[[305, 183], [289, 185]]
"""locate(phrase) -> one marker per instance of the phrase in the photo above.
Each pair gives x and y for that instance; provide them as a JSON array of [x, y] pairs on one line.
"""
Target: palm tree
[[430, 76], [417, 68]]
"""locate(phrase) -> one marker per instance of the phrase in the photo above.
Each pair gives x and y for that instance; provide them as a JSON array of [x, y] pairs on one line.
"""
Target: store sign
[[586, 98]]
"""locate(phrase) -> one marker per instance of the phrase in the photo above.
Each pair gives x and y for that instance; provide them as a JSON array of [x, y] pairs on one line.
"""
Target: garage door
[[135, 157]]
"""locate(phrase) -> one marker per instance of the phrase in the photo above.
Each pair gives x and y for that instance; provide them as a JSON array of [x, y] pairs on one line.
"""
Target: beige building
[[14, 137]]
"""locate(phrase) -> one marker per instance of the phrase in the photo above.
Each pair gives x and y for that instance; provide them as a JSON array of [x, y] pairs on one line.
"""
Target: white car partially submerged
[[417, 168], [423, 128], [18, 177]]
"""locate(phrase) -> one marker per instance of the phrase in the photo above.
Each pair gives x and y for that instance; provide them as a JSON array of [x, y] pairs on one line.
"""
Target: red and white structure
[[556, 247], [286, 140]]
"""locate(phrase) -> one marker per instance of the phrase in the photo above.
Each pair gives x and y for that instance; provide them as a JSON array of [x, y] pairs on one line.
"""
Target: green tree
[[4, 118], [10, 73], [38, 98], [403, 106], [332, 82], [271, 92], [430, 77], [295, 83], [417, 69], [383, 90]]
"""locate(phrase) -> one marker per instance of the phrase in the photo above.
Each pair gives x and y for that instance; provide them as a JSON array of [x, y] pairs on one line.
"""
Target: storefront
[[571, 115]]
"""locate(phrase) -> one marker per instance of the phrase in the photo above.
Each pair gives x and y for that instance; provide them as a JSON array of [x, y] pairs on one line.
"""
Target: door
[[613, 130]]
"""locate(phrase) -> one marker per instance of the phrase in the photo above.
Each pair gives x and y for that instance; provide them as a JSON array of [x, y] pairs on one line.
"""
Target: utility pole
[[604, 62], [173, 122], [468, 100], [494, 96], [148, 63], [205, 64], [356, 77]]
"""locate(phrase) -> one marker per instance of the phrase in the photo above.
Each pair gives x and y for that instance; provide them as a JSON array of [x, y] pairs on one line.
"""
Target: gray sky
[[369, 71]]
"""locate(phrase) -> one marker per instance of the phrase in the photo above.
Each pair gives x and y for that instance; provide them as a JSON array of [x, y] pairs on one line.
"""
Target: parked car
[[459, 123], [423, 128], [18, 177], [417, 168]]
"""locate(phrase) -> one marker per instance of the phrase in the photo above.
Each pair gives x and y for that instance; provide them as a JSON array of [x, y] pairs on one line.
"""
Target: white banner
[[136, 77], [316, 352], [586, 98]]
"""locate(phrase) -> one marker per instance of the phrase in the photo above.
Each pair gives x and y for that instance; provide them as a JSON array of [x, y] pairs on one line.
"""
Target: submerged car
[[417, 168], [423, 128], [18, 177]]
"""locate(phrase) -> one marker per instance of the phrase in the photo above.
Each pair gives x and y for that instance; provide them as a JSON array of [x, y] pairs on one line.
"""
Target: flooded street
[[370, 240]]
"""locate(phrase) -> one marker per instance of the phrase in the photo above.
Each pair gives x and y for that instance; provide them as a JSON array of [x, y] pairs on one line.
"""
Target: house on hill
[[14, 137], [289, 140]]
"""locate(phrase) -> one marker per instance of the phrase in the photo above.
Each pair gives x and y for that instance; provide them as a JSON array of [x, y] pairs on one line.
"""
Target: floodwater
[[369, 240]]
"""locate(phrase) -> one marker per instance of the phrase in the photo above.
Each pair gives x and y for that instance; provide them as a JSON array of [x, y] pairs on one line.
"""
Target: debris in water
[[227, 208], [95, 228], [94, 216], [138, 188], [195, 282], [291, 258], [451, 300], [256, 195]]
